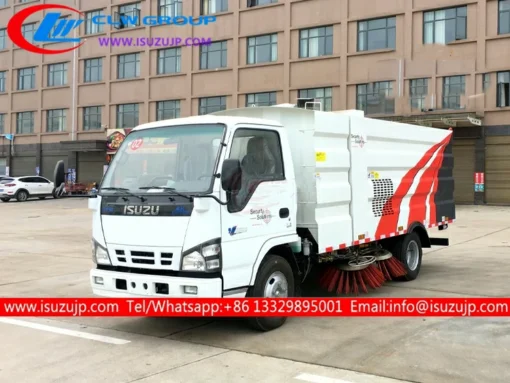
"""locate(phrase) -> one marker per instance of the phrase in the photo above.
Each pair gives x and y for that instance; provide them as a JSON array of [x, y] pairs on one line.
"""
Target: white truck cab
[[240, 203]]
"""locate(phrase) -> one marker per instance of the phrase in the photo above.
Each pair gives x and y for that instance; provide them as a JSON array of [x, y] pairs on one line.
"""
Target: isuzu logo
[[141, 210]]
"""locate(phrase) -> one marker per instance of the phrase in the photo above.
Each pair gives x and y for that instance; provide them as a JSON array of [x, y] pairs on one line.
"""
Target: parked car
[[23, 188]]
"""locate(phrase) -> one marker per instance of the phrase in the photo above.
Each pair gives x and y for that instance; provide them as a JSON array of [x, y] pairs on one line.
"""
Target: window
[[418, 93], [260, 154], [255, 3], [26, 78], [316, 42], [3, 3], [90, 27], [375, 98], [129, 16], [3, 79], [128, 66], [2, 123], [28, 31], [93, 70], [212, 104], [3, 39], [127, 116], [453, 88], [486, 80], [57, 74], [25, 123], [210, 7], [504, 17], [166, 110], [169, 60], [92, 118], [322, 95], [262, 49], [261, 99], [445, 25], [214, 55], [56, 120], [503, 97], [171, 8], [377, 34]]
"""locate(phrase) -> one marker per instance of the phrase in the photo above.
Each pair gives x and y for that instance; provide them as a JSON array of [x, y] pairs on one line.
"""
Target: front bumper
[[126, 285]]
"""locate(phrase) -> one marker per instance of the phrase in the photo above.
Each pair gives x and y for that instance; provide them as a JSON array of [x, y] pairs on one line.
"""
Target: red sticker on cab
[[137, 144]]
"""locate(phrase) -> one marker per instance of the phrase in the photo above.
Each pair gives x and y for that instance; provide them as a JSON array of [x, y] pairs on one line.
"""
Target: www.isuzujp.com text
[[153, 41]]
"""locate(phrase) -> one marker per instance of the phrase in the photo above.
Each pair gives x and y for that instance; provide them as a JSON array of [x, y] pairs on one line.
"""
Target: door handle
[[284, 213]]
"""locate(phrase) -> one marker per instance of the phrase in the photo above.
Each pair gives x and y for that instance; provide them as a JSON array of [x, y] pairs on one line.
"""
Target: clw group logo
[[51, 30], [55, 29]]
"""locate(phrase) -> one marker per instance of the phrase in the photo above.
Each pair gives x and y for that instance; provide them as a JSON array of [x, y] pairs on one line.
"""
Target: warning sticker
[[320, 156]]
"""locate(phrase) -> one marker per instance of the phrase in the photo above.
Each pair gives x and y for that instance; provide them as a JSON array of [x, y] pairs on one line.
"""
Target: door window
[[260, 155]]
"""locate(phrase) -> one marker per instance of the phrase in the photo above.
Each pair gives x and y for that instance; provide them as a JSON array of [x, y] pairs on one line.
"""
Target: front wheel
[[275, 279]]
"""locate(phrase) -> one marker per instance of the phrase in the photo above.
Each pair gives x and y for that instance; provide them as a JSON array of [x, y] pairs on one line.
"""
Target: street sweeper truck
[[249, 202]]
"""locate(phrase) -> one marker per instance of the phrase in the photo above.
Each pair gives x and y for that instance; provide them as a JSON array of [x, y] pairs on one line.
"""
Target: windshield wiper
[[172, 190], [190, 197], [125, 191]]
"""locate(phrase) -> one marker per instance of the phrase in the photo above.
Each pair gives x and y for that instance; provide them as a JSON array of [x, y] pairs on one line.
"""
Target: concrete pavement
[[46, 252]]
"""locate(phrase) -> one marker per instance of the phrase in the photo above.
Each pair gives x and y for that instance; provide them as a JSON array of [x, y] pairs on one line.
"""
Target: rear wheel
[[5, 199], [275, 279], [22, 196], [408, 250]]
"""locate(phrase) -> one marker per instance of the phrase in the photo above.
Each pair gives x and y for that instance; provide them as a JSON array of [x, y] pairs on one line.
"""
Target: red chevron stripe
[[418, 201], [388, 223], [432, 202]]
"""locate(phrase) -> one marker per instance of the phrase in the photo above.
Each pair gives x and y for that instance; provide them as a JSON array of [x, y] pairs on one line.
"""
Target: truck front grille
[[137, 257]]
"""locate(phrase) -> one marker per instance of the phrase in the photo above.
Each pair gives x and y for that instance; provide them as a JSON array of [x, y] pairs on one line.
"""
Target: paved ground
[[46, 252]]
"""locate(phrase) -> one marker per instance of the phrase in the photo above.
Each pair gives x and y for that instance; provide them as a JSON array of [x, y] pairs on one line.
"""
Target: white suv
[[23, 188]]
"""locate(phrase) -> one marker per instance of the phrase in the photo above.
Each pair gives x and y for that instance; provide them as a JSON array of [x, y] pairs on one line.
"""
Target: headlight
[[204, 258], [100, 254]]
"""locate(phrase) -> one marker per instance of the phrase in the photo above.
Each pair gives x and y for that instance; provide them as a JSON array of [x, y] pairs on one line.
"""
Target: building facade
[[438, 63]]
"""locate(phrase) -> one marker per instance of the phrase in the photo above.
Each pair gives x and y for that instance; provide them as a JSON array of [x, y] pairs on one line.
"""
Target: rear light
[[9, 185]]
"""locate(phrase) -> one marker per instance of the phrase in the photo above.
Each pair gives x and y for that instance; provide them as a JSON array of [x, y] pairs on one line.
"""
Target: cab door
[[263, 208]]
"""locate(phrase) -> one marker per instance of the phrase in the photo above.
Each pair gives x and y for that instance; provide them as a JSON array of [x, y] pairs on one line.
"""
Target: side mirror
[[230, 171]]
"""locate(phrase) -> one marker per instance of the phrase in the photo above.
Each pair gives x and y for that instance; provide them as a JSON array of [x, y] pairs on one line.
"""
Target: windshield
[[5, 180], [180, 157]]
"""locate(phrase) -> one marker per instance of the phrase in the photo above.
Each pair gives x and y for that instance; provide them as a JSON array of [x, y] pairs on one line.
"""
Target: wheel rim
[[276, 286], [412, 255], [22, 196]]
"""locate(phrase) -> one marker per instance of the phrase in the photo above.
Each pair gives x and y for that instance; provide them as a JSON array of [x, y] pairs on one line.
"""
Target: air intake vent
[[382, 202]]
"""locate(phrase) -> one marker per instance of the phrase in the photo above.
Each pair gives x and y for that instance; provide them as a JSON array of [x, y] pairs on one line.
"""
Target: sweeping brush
[[390, 267], [357, 275]]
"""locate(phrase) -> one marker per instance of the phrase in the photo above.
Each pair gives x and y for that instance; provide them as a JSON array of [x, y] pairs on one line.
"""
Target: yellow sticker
[[374, 175], [320, 156]]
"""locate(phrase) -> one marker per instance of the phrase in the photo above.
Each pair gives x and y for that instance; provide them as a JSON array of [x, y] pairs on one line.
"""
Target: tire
[[5, 199], [274, 268], [21, 196], [412, 264]]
